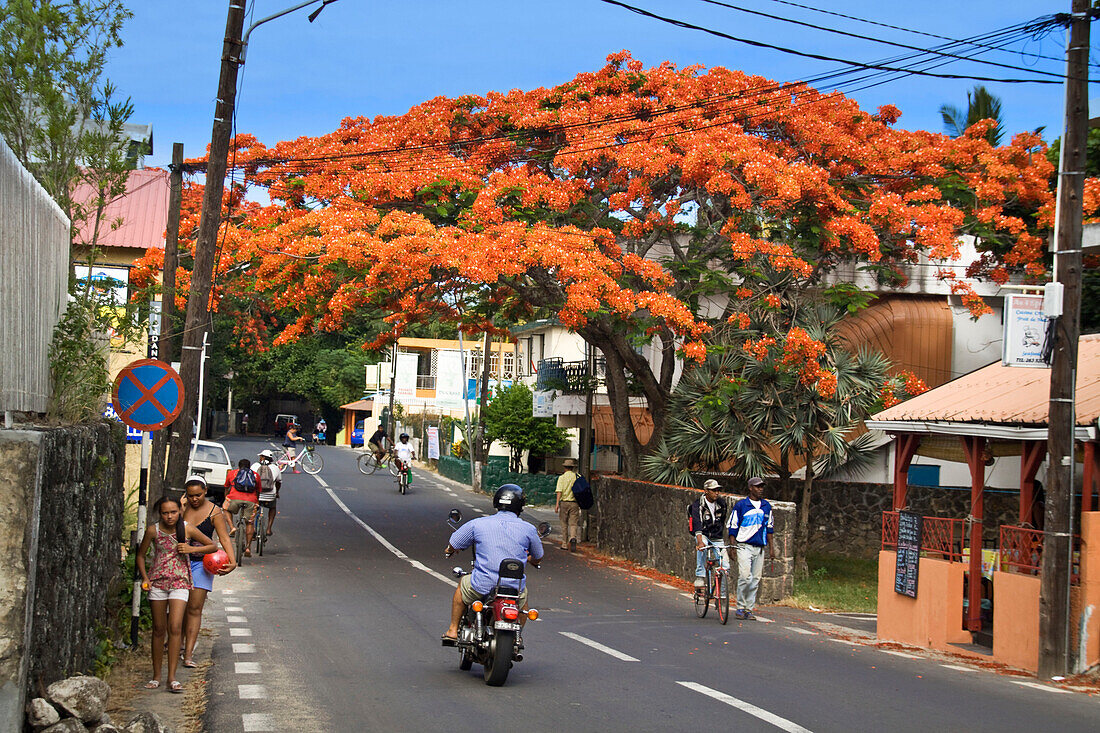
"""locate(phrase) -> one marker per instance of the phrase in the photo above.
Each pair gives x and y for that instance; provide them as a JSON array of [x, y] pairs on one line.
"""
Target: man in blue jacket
[[751, 524]]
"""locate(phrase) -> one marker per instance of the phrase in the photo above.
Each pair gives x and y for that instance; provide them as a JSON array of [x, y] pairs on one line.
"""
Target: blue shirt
[[751, 525], [496, 538]]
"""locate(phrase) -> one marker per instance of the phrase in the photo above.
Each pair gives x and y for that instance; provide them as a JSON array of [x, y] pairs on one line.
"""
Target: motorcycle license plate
[[505, 626]]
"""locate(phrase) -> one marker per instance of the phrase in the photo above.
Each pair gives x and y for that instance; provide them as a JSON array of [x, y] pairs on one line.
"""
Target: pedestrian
[[208, 518], [707, 519], [751, 523], [565, 504], [170, 582], [244, 424]]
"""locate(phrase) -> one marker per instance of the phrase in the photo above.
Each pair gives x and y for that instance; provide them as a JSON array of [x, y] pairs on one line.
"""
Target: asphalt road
[[337, 628]]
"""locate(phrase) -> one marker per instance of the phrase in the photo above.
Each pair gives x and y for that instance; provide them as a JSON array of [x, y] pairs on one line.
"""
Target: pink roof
[[143, 211]]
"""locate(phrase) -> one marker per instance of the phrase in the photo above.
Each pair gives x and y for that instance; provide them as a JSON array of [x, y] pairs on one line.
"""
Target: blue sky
[[371, 57]]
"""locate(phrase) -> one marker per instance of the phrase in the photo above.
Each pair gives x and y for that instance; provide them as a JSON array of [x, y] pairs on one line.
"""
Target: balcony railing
[[568, 376], [1022, 551], [425, 381]]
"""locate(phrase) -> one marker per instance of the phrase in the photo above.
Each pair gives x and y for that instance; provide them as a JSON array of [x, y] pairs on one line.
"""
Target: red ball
[[215, 561]]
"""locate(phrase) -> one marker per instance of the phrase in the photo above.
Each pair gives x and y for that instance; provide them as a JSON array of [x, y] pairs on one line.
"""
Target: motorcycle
[[488, 632]]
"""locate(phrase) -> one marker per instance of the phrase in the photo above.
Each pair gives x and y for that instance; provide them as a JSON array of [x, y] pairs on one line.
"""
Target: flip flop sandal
[[151, 684], [189, 663], [175, 686]]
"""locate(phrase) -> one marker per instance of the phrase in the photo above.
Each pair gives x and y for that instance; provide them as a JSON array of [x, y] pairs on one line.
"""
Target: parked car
[[357, 434], [283, 421], [212, 463]]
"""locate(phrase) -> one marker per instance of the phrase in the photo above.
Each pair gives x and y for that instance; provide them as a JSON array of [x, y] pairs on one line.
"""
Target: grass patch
[[837, 583]]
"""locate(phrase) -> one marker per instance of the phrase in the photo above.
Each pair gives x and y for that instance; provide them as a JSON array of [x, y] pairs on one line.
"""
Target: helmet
[[266, 454], [403, 436], [510, 497]]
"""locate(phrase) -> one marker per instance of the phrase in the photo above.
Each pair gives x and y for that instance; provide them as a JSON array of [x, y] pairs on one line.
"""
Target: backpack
[[245, 481], [582, 492], [267, 478]]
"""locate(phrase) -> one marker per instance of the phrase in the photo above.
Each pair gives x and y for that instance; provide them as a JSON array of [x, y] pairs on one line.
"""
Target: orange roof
[[1000, 395], [359, 405], [143, 210]]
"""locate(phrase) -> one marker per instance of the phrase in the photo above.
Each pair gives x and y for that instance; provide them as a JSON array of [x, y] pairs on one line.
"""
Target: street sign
[[148, 394], [1025, 332]]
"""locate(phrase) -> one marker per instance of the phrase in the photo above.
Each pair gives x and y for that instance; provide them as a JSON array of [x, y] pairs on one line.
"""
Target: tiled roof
[[1000, 395], [143, 211]]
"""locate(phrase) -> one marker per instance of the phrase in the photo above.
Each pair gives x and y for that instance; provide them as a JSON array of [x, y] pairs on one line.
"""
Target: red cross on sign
[[148, 394]]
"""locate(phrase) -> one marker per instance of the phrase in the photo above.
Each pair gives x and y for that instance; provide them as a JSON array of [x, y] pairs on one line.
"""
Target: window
[[523, 349], [509, 365]]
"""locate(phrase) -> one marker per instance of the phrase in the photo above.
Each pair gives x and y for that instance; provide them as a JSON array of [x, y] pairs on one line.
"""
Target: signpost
[[148, 395], [908, 561]]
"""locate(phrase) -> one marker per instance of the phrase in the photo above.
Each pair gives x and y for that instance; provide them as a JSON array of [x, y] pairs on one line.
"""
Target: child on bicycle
[[170, 582], [707, 518]]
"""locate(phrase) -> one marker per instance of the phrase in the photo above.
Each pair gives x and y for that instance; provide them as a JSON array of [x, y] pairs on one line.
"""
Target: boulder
[[68, 725], [40, 714], [82, 697], [106, 728], [146, 723]]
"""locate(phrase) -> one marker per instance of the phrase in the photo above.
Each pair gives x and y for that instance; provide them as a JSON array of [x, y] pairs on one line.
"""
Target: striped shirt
[[499, 537]]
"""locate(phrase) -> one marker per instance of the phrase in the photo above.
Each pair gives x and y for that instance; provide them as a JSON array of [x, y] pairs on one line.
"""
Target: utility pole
[[1054, 607], [198, 300], [168, 308], [482, 450]]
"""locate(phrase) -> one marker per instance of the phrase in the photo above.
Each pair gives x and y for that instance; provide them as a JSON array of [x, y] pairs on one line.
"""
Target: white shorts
[[160, 594]]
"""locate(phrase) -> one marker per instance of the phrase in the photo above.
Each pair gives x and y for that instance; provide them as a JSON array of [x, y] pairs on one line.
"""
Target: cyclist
[[495, 538], [243, 495], [707, 517], [319, 431], [271, 481], [290, 439], [404, 452], [377, 440]]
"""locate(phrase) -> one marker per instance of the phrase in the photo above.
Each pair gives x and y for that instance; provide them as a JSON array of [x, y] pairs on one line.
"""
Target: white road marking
[[763, 620], [321, 481], [956, 667], [598, 646], [797, 630], [845, 641], [1037, 686], [257, 722], [664, 585], [903, 655], [386, 543], [234, 631], [244, 648], [762, 714], [228, 591], [234, 609], [237, 619], [688, 595], [251, 692], [246, 667]]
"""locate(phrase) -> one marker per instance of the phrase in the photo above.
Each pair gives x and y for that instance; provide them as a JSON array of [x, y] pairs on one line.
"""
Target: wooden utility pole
[[481, 454], [168, 309], [198, 300], [1054, 622]]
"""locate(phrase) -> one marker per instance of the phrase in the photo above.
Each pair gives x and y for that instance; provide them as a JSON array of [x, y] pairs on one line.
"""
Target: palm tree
[[980, 105]]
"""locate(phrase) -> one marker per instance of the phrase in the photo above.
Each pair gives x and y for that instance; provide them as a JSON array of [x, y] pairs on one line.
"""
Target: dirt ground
[[131, 671]]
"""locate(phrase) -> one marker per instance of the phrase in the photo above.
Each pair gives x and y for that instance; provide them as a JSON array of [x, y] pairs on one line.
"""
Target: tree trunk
[[802, 536]]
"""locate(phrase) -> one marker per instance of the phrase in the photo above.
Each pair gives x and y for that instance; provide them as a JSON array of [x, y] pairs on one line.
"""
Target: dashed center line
[[237, 619], [237, 631], [258, 722], [598, 646], [761, 713], [234, 609], [244, 648], [251, 692], [246, 667]]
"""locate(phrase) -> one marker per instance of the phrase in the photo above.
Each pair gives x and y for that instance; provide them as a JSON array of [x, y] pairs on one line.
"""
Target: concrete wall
[[647, 523], [58, 571]]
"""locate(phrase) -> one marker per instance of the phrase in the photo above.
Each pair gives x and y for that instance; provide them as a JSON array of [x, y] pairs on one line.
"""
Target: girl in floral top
[[170, 582]]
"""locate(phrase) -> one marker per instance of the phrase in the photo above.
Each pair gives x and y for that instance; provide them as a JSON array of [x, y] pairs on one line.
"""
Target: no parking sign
[[148, 394]]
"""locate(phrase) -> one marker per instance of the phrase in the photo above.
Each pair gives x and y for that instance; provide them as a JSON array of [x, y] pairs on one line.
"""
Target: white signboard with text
[[1024, 332], [405, 384], [433, 444], [450, 382], [542, 403]]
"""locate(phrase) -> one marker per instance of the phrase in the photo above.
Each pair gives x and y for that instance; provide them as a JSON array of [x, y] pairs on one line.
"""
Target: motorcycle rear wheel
[[500, 660], [465, 659]]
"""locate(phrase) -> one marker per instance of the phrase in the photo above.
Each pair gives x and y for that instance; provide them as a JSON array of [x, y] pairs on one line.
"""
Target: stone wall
[[60, 527], [846, 518], [647, 524]]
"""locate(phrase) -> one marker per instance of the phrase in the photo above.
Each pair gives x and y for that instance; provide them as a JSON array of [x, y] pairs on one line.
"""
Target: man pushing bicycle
[[707, 518]]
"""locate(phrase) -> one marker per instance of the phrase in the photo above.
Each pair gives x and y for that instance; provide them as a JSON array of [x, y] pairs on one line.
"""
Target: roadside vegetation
[[837, 583]]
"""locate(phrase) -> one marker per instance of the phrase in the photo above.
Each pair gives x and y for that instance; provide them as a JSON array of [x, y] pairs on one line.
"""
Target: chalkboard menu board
[[905, 575]]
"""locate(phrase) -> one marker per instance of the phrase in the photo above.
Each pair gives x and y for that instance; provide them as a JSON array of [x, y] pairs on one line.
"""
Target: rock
[[103, 719], [106, 728], [146, 723], [40, 714], [68, 725], [82, 697]]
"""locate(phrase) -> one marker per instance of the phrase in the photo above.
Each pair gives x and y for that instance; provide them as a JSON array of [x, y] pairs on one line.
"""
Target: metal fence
[[940, 536], [34, 278]]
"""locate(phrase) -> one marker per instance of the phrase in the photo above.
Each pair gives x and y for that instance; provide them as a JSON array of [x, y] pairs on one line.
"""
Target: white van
[[212, 463]]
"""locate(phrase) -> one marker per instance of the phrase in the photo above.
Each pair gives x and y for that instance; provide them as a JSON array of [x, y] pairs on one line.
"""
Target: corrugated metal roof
[[1002, 395], [143, 210]]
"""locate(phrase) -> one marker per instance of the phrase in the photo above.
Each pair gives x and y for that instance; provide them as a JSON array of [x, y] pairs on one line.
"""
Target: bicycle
[[309, 460], [716, 586], [404, 471], [240, 536], [369, 463], [260, 534]]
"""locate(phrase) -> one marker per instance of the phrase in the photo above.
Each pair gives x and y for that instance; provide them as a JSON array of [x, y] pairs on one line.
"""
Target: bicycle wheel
[[403, 482], [368, 464], [261, 530], [312, 463], [392, 465], [722, 595], [241, 541], [702, 597]]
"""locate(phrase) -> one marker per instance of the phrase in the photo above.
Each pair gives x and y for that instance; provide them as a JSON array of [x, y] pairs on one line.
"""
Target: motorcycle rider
[[495, 538]]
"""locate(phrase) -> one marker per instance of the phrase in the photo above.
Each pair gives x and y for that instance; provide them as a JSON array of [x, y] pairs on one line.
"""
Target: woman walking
[[169, 583], [208, 518]]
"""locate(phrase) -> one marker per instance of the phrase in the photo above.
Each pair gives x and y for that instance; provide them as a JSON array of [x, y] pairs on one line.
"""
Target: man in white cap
[[751, 524], [565, 504], [707, 518]]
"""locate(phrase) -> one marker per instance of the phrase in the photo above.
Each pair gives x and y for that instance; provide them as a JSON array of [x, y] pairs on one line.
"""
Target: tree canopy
[[632, 204]]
